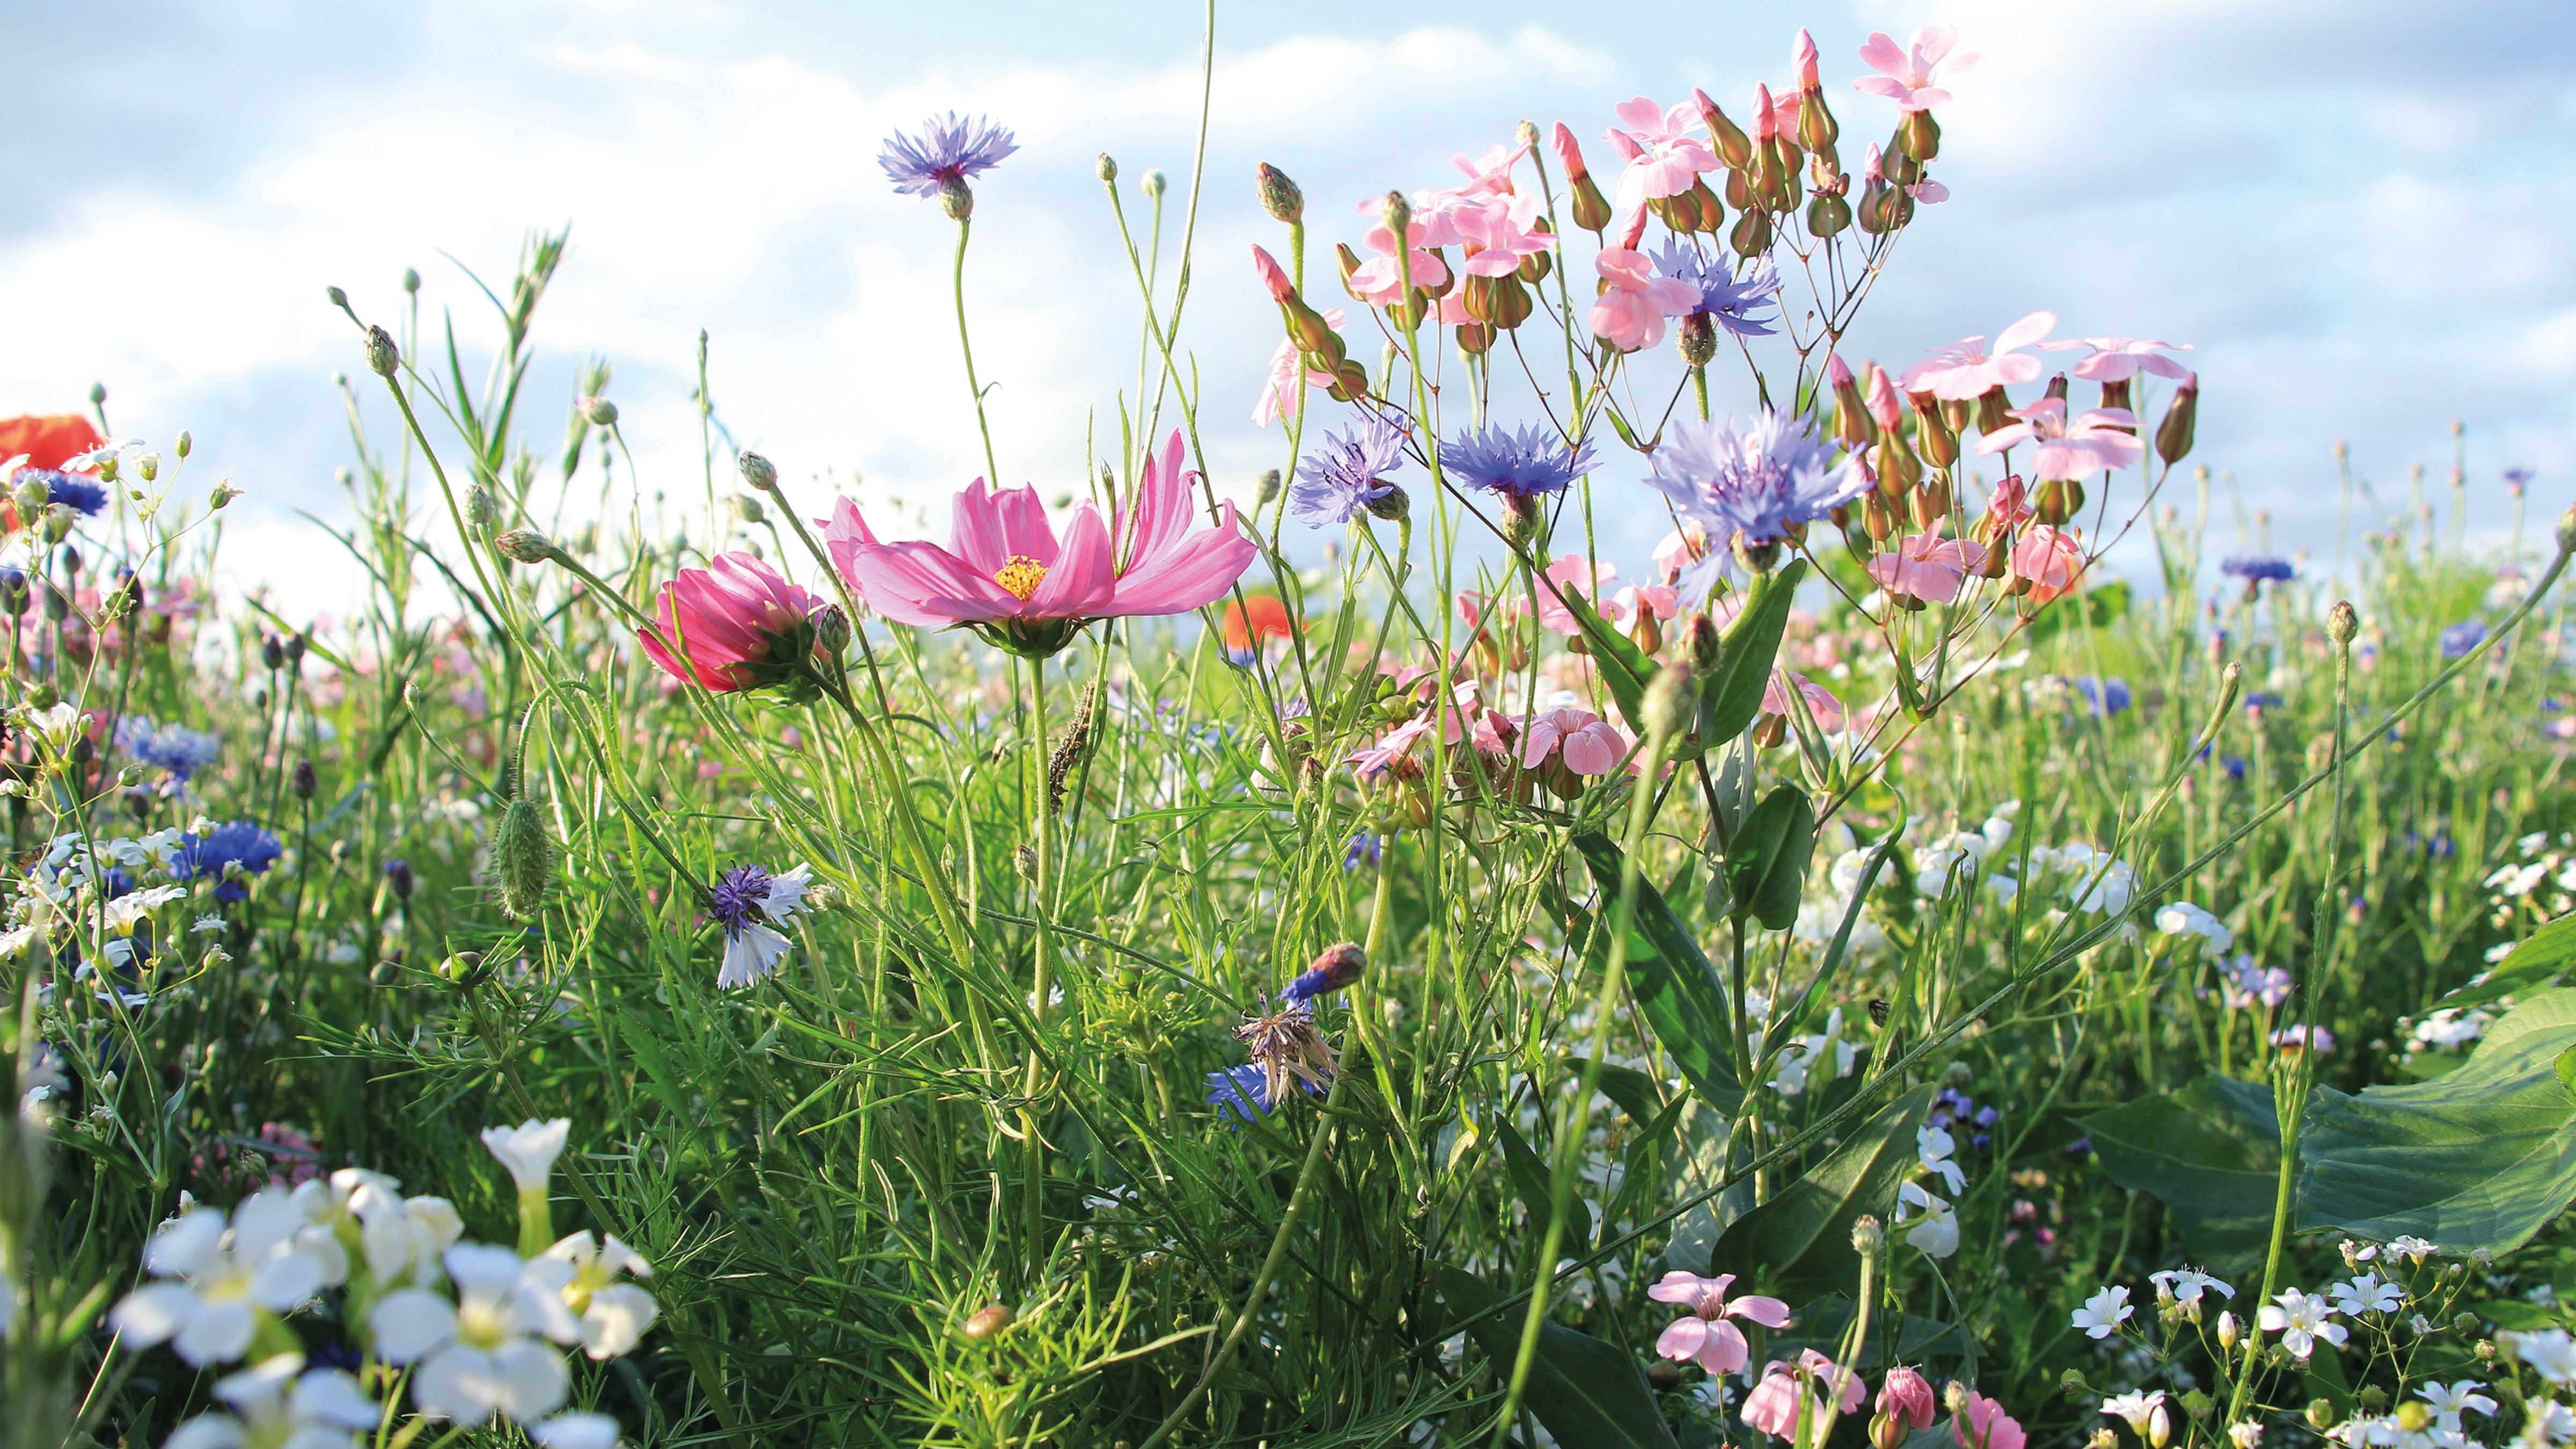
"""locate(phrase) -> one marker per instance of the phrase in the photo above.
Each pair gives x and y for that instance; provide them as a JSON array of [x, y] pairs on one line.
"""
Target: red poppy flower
[[48, 442], [1258, 617]]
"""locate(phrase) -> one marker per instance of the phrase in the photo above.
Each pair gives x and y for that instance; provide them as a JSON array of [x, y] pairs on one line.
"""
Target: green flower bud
[[1280, 196], [523, 858], [382, 355], [1106, 168], [2174, 436], [758, 471]]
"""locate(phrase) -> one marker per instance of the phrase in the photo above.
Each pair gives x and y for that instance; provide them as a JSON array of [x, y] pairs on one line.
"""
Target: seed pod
[[523, 858], [989, 1320], [1828, 215]]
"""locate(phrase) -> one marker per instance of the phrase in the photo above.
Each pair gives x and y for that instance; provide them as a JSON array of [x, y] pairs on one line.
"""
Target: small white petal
[[457, 1383], [410, 1323], [208, 1431], [533, 1379], [618, 1316], [217, 1333], [188, 1248], [152, 1313], [286, 1279], [529, 1150], [576, 1431]]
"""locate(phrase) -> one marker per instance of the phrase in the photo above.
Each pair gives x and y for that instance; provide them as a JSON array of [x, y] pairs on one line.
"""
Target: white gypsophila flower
[[2449, 1401], [131, 909], [216, 1281], [1932, 1147], [2450, 1028], [614, 1315], [2412, 1249], [2136, 1408], [272, 1408], [206, 925], [529, 1150], [2549, 1352], [2302, 1321], [2104, 1312], [2185, 1285], [1933, 1227], [2366, 1293], [2547, 1421], [2246, 1434], [488, 1353], [575, 1431]]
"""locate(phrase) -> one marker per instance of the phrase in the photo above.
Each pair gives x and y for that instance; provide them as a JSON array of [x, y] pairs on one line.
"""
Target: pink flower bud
[[1804, 54], [1883, 403], [1837, 374], [1870, 169], [1568, 154], [1765, 127], [1273, 276]]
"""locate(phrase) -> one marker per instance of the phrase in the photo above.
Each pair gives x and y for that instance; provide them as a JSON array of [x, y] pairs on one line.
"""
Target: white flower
[[1933, 1228], [486, 1354], [2413, 1249], [207, 925], [754, 945], [224, 1279], [2368, 1293], [2301, 1321], [317, 1412], [2459, 1397], [343, 953], [2104, 1312], [2450, 1028], [2183, 918], [2549, 1353], [402, 1238], [57, 725], [529, 1150], [2548, 1422], [131, 909], [2185, 1285], [2136, 1408], [614, 1315], [576, 1431], [1933, 1146], [2246, 1434], [2102, 881]]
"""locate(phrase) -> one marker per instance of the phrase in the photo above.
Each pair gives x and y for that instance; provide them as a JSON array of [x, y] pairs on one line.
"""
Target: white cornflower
[[614, 1315], [529, 1150], [2549, 1353], [1933, 1146], [218, 1282], [2185, 1285], [2451, 1401], [487, 1354], [2301, 1321], [2104, 1312], [2136, 1408], [271, 1406], [1932, 1228], [2367, 1293]]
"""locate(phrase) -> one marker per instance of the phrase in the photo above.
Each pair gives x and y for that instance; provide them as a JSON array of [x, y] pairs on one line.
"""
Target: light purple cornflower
[[2517, 479], [2264, 567], [1348, 472], [2462, 637], [948, 153], [1761, 480], [1519, 465], [1734, 304]]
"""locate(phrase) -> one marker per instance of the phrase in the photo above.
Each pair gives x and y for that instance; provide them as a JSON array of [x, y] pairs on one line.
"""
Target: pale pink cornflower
[[738, 624], [1664, 158], [2095, 442], [1283, 395], [1009, 576], [1965, 369], [1928, 566], [1821, 704], [2117, 359], [1907, 75], [1718, 1345], [1630, 314], [1589, 744], [1572, 573], [2050, 559]]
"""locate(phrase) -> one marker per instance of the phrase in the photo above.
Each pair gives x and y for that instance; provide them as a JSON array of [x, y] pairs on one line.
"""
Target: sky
[[2361, 215]]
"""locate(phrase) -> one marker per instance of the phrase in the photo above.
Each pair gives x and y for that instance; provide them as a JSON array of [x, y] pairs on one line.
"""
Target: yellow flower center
[[1021, 575]]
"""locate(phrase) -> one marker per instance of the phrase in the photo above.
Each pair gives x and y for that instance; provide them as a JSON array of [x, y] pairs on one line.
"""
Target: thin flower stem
[[992, 471], [1034, 1144]]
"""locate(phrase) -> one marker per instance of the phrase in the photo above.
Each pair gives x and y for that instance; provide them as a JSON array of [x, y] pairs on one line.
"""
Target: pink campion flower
[[1802, 54], [1589, 744], [1928, 191], [1906, 1394], [1492, 173], [2095, 442], [1283, 395], [1656, 599], [738, 624], [1882, 401], [1498, 231], [1983, 1424], [2009, 505], [1572, 573], [1773, 1406], [1664, 159], [1630, 313], [1928, 566], [1010, 577], [1965, 370], [1379, 281], [2117, 359], [1475, 609], [1906, 75], [2050, 559], [1681, 548], [1706, 1336], [1872, 168], [1827, 710]]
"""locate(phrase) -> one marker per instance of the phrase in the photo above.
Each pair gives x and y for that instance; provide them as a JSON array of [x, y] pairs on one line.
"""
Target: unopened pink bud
[[1883, 403], [1804, 53], [1568, 154], [1870, 170], [1837, 373], [1765, 127], [1273, 276]]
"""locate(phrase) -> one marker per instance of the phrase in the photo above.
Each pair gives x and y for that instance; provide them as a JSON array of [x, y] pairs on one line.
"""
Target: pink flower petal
[[1079, 583]]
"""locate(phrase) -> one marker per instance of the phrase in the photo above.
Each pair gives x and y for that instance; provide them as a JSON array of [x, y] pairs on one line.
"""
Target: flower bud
[[1398, 215], [336, 297], [1280, 196], [1933, 439], [831, 630], [1697, 338], [2244, 1433], [600, 411], [527, 546], [223, 494], [523, 858], [184, 444], [1671, 706], [398, 876], [1869, 1236], [2566, 536], [1153, 185], [2159, 1425], [747, 509], [1725, 137], [1394, 507], [149, 465], [990, 1319], [272, 652], [31, 494], [2228, 1333], [411, 280], [302, 780], [1828, 214], [758, 471], [295, 651], [1706, 647], [2343, 621], [1886, 1431], [1955, 1398], [1920, 135], [1268, 489], [480, 507], [2321, 1415], [2174, 435], [382, 355], [1106, 168], [2057, 500]]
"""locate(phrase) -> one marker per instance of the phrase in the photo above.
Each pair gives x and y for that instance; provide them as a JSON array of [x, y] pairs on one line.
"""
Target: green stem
[[1033, 1144], [992, 471]]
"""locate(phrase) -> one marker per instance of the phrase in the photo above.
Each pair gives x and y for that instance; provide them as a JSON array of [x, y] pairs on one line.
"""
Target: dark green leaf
[[2531, 966], [2210, 1152], [1766, 862], [1675, 987], [1633, 1090], [1731, 693], [1821, 1325], [1798, 1245], [1533, 1181], [1587, 1393]]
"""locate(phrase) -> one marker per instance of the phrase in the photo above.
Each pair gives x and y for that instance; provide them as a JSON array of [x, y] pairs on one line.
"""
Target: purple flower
[[78, 494], [2104, 695], [235, 843], [173, 748], [2517, 479], [1368, 846], [1762, 480], [1734, 304], [1242, 1094], [947, 154], [2462, 637], [1517, 464], [1347, 473], [740, 898], [1335, 969], [2259, 567]]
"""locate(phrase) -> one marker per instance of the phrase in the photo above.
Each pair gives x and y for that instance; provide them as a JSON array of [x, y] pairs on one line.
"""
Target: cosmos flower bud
[[2342, 621], [398, 876], [831, 630], [2174, 434], [523, 858], [382, 355], [527, 546], [599, 410], [302, 780], [1398, 215], [1280, 196], [1106, 168]]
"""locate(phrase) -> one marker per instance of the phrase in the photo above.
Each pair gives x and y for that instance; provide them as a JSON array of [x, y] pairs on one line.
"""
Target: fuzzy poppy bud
[[337, 297], [382, 355], [2174, 435], [1280, 196], [758, 471], [523, 858], [831, 630], [302, 780]]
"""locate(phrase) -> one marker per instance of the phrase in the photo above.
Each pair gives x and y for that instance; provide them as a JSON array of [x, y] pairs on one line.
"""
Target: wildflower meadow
[[704, 954]]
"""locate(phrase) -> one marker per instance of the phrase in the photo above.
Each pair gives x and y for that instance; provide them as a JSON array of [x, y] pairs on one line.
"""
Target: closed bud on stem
[[2343, 621], [1697, 338], [1851, 415], [1106, 168], [2228, 1334], [223, 494], [523, 858], [831, 631], [2057, 500], [2174, 434], [337, 297], [31, 494], [2321, 1415], [1706, 646], [598, 410], [1728, 139], [382, 355], [748, 509], [1886, 1431], [184, 444], [1395, 507], [527, 546], [1152, 185], [1869, 1236], [1268, 489], [1994, 410], [411, 280], [1933, 439], [1398, 215], [1876, 518], [1670, 705], [272, 652], [1920, 135], [1280, 196], [302, 780], [2057, 387], [758, 471], [1591, 209], [1828, 214], [149, 465], [398, 876], [1955, 1398], [2159, 1426], [2567, 530], [481, 509]]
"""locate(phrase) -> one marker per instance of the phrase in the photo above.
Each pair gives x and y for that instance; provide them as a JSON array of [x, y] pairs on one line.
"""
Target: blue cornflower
[[1520, 464], [2462, 637], [1335, 969], [1735, 304], [173, 747], [1762, 480], [1348, 472], [236, 842], [2259, 568], [948, 153], [754, 906], [1368, 846], [1242, 1094], [2104, 695], [2517, 479], [69, 489], [2235, 766], [2261, 700]]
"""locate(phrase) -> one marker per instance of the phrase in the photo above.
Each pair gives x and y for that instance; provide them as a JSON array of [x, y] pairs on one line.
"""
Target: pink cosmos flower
[[736, 625], [1906, 1394], [1282, 395], [1631, 313], [1706, 1335], [1680, 549], [2093, 443], [1906, 76], [1664, 159], [2117, 359], [1929, 567], [1965, 370], [1009, 576], [1589, 744], [2052, 559], [1379, 281], [1985, 1425], [1828, 711], [1572, 573]]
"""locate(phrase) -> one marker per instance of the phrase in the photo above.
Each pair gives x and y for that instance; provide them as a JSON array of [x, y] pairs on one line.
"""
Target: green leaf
[[2530, 966], [1731, 693], [1620, 664], [2210, 1152], [1586, 1392], [1633, 1090], [1533, 1181], [1766, 862], [1675, 987], [2099, 607], [2481, 1157], [1798, 1245]]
